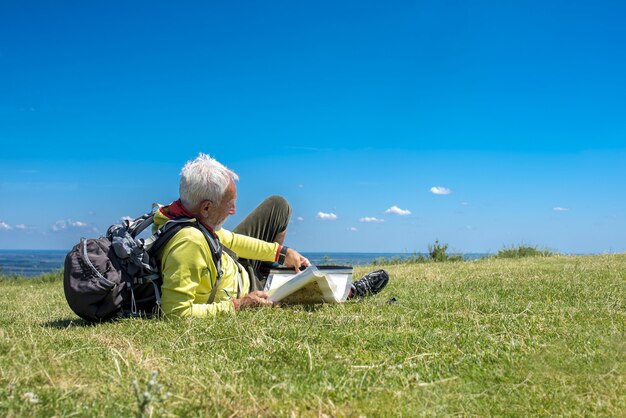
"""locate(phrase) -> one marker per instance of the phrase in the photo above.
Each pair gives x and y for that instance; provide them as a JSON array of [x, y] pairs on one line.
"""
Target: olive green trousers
[[265, 222]]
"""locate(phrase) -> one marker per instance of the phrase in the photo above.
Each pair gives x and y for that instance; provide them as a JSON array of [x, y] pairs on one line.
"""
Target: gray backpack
[[118, 275]]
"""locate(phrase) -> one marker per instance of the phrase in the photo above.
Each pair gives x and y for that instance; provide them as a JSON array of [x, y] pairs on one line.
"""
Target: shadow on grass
[[67, 323], [306, 308]]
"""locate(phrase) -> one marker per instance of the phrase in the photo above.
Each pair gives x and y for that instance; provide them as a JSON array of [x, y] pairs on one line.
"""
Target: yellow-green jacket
[[189, 272]]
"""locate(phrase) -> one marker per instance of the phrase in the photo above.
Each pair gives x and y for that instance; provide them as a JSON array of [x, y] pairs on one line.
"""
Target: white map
[[310, 286]]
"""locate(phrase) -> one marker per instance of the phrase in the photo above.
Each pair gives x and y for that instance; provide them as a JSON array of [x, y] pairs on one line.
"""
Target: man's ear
[[205, 208]]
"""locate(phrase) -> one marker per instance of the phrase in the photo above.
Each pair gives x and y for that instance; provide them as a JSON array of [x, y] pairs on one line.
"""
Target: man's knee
[[280, 210], [279, 203]]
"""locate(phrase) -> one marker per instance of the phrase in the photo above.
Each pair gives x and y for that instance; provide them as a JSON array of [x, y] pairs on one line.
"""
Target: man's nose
[[232, 210]]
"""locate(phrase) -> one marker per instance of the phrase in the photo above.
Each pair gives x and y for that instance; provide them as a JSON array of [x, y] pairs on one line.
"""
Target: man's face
[[224, 208]]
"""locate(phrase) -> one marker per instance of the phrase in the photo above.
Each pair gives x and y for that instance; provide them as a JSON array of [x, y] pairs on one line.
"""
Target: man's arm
[[256, 249], [248, 247]]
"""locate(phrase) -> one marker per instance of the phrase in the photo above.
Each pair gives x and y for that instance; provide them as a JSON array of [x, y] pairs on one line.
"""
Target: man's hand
[[296, 260], [252, 300]]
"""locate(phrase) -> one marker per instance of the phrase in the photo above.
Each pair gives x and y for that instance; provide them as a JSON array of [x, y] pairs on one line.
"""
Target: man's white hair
[[204, 179]]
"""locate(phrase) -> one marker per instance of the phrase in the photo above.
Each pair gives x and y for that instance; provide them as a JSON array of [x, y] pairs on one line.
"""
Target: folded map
[[323, 284]]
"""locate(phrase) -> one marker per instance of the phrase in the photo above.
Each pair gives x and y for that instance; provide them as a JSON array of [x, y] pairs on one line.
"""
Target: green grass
[[494, 337]]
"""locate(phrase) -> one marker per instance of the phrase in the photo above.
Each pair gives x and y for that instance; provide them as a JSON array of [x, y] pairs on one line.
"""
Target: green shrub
[[438, 252], [522, 251]]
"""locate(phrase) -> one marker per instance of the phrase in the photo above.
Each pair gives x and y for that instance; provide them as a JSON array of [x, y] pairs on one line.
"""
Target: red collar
[[177, 210]]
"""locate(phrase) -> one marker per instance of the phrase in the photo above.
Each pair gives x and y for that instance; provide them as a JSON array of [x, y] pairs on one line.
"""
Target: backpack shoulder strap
[[214, 244], [163, 236]]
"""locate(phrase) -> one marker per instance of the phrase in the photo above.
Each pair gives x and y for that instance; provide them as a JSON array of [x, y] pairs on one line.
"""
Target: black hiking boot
[[370, 284]]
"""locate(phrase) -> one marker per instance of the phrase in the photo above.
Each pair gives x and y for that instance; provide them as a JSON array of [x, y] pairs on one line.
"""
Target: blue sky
[[514, 113]]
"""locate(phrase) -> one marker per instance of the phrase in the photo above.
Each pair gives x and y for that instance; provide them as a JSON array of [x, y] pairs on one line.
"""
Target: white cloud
[[397, 211], [59, 225], [371, 219], [64, 224], [300, 219], [4, 226], [20, 226], [326, 216], [560, 209], [352, 229], [440, 190]]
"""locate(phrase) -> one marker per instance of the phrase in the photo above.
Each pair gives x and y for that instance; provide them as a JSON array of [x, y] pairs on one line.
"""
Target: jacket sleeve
[[248, 247], [183, 267]]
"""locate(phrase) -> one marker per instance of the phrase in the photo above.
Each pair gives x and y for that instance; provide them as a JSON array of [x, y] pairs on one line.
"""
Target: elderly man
[[208, 193]]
